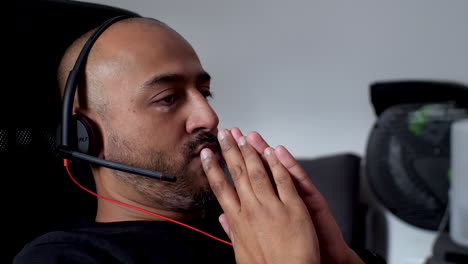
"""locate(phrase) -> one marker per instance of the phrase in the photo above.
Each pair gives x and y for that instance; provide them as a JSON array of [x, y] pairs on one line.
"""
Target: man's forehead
[[138, 26], [144, 38], [141, 50]]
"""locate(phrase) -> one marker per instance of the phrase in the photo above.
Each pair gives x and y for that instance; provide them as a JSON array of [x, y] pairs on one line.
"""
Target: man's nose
[[201, 116]]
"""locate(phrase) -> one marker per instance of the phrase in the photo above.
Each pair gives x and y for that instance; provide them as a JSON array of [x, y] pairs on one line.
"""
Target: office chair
[[408, 154], [340, 179], [37, 194]]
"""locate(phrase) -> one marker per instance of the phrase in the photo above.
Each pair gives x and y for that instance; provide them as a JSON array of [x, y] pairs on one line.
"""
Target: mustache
[[201, 139]]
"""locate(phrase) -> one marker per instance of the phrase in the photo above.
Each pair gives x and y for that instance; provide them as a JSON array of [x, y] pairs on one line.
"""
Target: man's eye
[[207, 94], [168, 100]]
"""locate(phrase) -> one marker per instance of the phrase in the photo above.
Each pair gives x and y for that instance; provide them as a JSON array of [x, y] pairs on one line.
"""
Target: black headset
[[77, 137]]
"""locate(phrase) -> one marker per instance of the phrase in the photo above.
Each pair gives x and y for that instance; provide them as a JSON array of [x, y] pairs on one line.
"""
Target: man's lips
[[213, 146]]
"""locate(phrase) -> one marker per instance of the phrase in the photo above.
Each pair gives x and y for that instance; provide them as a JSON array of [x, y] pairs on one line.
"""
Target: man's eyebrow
[[174, 77], [162, 79], [203, 77]]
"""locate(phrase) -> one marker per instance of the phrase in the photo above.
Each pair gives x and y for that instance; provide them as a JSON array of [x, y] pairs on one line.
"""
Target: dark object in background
[[408, 151], [337, 178], [37, 195], [384, 94]]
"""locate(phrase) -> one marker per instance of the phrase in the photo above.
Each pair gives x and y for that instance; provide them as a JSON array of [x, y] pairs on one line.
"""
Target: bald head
[[104, 60], [145, 92]]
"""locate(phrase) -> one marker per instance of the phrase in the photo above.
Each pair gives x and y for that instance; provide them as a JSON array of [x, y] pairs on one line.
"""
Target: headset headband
[[65, 148]]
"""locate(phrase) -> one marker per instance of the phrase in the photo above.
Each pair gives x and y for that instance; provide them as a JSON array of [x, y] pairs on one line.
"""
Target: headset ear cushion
[[86, 138]]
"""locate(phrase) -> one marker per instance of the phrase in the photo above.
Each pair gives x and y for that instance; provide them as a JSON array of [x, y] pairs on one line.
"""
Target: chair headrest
[[384, 94], [42, 31]]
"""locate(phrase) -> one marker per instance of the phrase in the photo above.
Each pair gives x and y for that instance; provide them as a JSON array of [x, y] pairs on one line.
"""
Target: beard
[[190, 193]]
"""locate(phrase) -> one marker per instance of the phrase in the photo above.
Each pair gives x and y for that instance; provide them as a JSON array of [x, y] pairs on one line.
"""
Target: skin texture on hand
[[266, 223], [333, 248]]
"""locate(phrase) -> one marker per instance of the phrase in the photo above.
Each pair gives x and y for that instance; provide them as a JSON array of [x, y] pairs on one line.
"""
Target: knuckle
[[217, 186], [247, 150], [298, 207], [236, 172], [281, 179], [226, 146], [249, 214], [256, 175], [274, 163]]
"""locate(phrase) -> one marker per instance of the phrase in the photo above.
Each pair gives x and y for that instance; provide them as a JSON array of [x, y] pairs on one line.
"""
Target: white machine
[[458, 195]]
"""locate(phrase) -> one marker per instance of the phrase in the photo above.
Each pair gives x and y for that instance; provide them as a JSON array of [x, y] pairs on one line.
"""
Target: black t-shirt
[[130, 242]]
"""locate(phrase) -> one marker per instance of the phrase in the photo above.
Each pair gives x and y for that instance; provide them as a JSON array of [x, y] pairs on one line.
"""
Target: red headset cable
[[66, 164]]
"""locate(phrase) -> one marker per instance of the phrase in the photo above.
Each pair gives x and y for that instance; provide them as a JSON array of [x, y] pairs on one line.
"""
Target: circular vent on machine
[[407, 160]]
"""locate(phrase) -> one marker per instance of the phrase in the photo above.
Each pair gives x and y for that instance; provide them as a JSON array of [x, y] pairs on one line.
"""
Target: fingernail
[[242, 141], [268, 151], [222, 134], [205, 154]]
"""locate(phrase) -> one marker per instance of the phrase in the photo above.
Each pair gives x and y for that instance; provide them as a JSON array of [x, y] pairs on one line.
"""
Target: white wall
[[298, 71]]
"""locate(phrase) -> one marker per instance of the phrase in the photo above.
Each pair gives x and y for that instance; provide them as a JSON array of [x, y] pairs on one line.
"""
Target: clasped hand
[[265, 225], [275, 214]]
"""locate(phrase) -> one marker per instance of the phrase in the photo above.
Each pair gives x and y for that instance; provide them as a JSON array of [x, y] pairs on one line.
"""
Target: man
[[145, 91]]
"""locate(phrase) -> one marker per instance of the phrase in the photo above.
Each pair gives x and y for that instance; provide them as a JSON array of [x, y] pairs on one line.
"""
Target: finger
[[259, 144], [225, 224], [327, 229], [284, 184], [236, 133], [236, 165], [258, 176], [257, 141], [223, 191], [303, 183]]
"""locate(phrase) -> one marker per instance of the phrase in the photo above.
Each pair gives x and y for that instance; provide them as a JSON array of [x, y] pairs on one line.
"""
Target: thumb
[[224, 223]]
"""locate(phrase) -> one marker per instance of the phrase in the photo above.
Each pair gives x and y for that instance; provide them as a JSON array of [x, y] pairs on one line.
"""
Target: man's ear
[[89, 132]]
